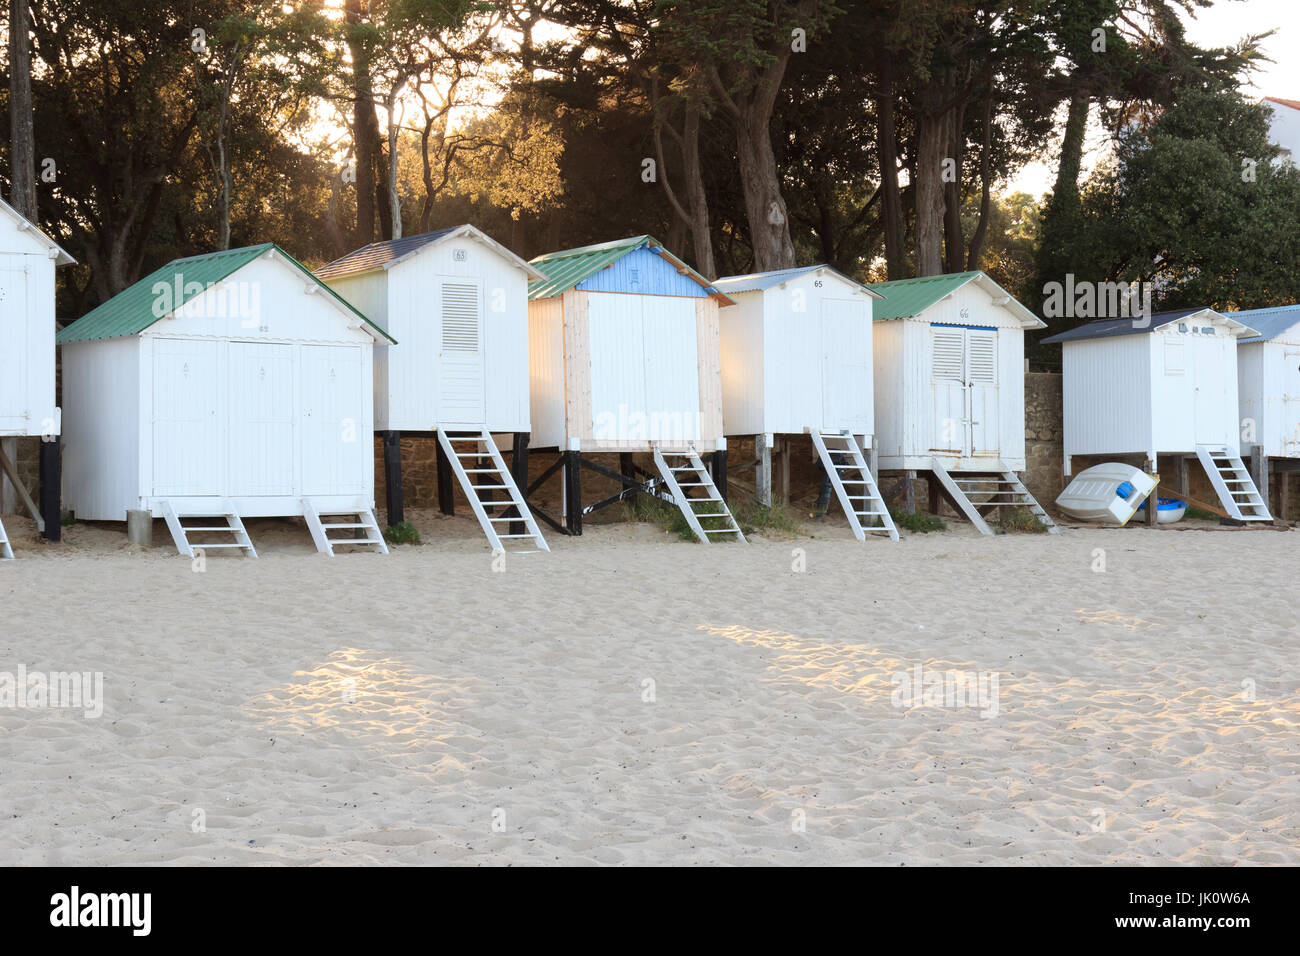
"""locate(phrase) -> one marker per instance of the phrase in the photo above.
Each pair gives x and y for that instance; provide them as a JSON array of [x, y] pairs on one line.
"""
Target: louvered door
[[964, 389], [949, 420], [462, 393], [982, 386]]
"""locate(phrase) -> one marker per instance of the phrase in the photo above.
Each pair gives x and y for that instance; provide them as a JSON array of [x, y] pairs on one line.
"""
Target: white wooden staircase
[[219, 522], [999, 487], [6, 549], [1233, 484], [485, 476], [854, 485], [359, 523], [684, 471]]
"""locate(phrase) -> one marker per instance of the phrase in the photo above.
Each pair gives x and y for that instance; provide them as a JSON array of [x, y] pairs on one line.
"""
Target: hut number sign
[[460, 255]]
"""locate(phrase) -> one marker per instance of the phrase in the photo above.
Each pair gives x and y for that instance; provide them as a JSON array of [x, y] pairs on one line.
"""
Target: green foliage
[[1200, 514], [402, 533], [1018, 521], [920, 521], [755, 517], [652, 510], [1195, 203]]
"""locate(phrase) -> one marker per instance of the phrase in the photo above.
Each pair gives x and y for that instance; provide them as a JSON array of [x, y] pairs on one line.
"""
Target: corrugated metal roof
[[565, 269], [1269, 323], [131, 311], [908, 298], [1113, 328], [375, 255], [758, 281]]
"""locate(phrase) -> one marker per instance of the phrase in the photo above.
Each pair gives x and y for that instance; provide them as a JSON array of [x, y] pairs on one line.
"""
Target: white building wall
[[369, 292], [1107, 395], [1011, 397], [159, 415], [546, 372], [415, 321], [27, 329], [889, 367], [743, 364], [1284, 130], [103, 429]]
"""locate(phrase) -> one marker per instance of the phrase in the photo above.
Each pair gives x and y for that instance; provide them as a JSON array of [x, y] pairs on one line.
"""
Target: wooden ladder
[[1000, 487], [479, 448], [696, 475], [853, 483], [233, 526], [6, 549], [1236, 489], [361, 519]]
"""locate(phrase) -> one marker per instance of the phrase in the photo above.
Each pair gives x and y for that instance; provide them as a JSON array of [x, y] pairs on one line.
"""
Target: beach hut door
[[982, 386], [1291, 403], [187, 450], [14, 326], [846, 365], [261, 419], [462, 396], [333, 421], [951, 422], [964, 390]]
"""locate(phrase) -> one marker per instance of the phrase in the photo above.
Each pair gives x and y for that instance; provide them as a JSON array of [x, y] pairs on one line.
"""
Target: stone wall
[[1044, 436]]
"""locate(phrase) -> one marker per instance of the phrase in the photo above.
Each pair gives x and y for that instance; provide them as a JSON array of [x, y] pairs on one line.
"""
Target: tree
[[22, 134], [1197, 204], [743, 50]]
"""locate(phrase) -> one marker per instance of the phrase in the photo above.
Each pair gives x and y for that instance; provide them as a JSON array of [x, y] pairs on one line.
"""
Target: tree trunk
[[1061, 210], [394, 200], [986, 187], [697, 197], [954, 241], [22, 155], [365, 128], [769, 224], [891, 195], [931, 143]]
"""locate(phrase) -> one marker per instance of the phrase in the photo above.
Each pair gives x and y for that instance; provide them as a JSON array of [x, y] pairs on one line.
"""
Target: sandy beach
[[633, 699]]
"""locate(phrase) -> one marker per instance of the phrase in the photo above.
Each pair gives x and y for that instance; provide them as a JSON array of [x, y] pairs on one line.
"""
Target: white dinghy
[[1110, 492]]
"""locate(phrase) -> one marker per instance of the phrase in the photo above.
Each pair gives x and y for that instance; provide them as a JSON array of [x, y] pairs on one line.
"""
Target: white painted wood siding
[[546, 372], [103, 428]]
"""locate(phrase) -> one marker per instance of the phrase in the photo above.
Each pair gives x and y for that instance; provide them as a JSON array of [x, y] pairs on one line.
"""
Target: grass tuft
[[920, 521], [1019, 521], [402, 533]]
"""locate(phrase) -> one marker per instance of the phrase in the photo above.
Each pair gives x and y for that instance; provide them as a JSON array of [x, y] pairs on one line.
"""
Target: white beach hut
[[1268, 387], [223, 386], [1163, 387], [950, 390], [797, 359], [457, 303], [28, 259], [624, 346]]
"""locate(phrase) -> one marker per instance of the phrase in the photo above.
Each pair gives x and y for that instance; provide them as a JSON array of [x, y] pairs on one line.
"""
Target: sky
[[1221, 25]]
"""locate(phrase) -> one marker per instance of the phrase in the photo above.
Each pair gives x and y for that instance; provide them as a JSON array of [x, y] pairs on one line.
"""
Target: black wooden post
[[626, 467], [393, 477], [572, 493], [446, 504], [519, 472], [718, 468], [51, 484]]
